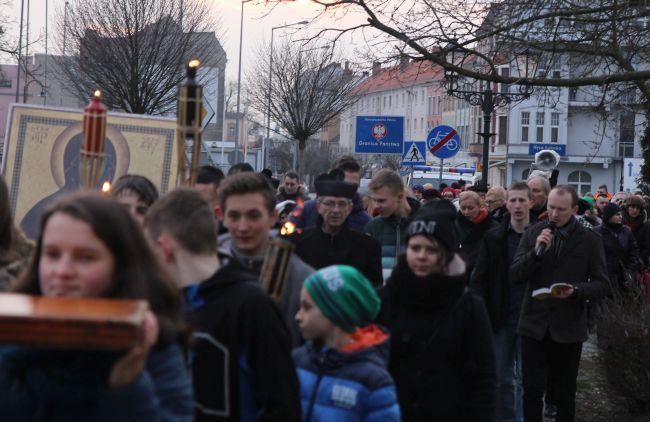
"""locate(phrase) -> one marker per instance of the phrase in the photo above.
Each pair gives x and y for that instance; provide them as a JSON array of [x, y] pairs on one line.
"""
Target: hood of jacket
[[376, 349]]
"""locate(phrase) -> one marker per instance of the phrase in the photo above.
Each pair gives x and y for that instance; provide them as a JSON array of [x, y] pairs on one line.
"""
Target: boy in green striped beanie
[[344, 351]]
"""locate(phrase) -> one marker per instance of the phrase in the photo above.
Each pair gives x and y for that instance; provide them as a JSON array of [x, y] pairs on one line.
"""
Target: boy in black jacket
[[241, 362]]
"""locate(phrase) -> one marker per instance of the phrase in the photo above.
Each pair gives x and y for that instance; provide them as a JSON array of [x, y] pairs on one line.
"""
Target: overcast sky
[[258, 21]]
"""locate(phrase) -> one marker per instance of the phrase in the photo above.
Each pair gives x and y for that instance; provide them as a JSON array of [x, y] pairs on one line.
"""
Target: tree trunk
[[302, 144], [644, 181]]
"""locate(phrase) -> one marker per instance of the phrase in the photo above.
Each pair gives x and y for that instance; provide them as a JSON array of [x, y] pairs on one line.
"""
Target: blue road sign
[[415, 153], [443, 141], [379, 135], [535, 148]]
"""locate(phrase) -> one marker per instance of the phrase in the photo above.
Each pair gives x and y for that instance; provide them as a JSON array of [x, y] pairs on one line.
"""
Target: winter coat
[[581, 263], [442, 351], [306, 216], [391, 233], [347, 386], [298, 196], [241, 359], [348, 247], [297, 272], [641, 229], [490, 277], [470, 235], [64, 385], [621, 252]]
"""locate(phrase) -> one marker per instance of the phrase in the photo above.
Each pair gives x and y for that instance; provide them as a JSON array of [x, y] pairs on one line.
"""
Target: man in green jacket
[[394, 210]]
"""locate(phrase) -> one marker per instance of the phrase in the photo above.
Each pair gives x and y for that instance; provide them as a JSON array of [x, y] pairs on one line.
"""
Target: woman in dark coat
[[472, 223], [442, 350], [634, 217], [621, 250]]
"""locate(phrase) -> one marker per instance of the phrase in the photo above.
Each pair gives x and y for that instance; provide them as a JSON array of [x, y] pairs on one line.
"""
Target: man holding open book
[[554, 327]]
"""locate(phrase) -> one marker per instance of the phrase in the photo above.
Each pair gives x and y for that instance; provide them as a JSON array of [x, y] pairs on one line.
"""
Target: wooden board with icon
[[41, 155]]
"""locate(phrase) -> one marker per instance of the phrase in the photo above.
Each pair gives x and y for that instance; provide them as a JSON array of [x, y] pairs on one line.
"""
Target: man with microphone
[[553, 327]]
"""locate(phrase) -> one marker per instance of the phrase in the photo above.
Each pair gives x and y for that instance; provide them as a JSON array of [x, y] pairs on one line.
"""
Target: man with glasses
[[495, 200], [332, 242]]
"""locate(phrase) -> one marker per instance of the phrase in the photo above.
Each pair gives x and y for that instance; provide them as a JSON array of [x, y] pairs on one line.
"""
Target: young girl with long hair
[[90, 246]]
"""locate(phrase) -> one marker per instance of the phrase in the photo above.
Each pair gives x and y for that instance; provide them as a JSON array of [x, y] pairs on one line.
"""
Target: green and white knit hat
[[344, 296]]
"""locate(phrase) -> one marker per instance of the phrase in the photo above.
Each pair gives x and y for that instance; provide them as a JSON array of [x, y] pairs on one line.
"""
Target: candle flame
[[106, 187], [287, 228], [98, 93], [194, 63]]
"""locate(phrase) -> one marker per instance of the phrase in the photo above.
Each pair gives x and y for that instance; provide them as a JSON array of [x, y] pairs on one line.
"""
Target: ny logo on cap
[[422, 227]]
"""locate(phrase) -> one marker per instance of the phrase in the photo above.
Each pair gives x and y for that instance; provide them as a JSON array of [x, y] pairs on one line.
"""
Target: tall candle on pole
[[188, 124], [93, 145]]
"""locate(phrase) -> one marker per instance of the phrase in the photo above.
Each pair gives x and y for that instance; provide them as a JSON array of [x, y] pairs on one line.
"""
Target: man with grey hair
[[495, 199], [540, 187]]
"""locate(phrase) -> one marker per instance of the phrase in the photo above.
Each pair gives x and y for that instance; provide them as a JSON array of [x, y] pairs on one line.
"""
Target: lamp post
[[241, 36], [488, 100], [268, 95]]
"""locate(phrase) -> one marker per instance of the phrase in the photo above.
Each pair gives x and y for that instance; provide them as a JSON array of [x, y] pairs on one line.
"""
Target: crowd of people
[[398, 304]]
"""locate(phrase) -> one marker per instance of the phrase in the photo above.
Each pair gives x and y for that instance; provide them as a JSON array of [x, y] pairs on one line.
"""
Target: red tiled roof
[[414, 73]]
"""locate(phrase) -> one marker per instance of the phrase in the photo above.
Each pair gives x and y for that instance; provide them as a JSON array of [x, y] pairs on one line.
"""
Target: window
[[384, 102], [525, 122], [580, 181], [421, 122], [539, 122], [573, 93], [555, 126], [5, 83], [626, 142], [503, 130], [231, 131], [505, 72], [390, 101]]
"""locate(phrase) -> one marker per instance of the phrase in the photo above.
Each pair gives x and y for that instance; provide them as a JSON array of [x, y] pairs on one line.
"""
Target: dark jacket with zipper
[[442, 350], [490, 277], [391, 234], [347, 247], [579, 262], [241, 360], [338, 386]]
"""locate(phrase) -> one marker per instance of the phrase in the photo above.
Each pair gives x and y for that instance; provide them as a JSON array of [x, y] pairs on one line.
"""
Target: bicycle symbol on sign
[[451, 144]]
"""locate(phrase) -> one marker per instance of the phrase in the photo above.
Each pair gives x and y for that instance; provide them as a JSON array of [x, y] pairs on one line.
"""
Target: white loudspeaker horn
[[546, 160]]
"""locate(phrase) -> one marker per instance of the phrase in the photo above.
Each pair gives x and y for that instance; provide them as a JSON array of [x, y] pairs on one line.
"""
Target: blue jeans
[[509, 375]]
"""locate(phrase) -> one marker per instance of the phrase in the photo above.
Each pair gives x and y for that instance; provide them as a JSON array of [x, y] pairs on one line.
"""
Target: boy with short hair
[[342, 370], [395, 209], [248, 211], [238, 328]]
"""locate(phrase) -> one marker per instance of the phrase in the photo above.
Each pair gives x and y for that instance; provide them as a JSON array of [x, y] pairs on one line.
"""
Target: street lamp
[[268, 95], [487, 99], [241, 35]]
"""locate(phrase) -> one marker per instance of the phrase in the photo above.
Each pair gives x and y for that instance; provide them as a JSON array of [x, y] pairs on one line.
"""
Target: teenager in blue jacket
[[342, 369], [90, 246]]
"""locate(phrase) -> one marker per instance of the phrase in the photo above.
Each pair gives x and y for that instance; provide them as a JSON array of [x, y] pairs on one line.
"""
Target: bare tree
[[135, 50], [604, 45], [308, 89]]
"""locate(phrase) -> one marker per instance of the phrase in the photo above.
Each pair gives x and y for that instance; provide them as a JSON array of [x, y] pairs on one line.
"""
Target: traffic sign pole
[[440, 175]]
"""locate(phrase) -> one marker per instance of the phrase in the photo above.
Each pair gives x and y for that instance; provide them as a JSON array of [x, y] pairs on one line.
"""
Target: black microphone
[[540, 247]]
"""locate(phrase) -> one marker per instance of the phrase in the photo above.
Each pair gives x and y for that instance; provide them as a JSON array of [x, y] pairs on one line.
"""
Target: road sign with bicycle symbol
[[443, 141]]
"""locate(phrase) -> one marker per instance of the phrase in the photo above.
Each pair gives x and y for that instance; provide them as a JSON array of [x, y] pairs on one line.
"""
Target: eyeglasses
[[331, 203], [492, 201]]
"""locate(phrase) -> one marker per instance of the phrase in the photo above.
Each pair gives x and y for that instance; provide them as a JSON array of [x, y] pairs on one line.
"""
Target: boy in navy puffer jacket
[[342, 370]]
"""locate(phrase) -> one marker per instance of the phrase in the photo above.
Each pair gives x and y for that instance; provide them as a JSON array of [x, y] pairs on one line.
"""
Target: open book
[[553, 291]]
